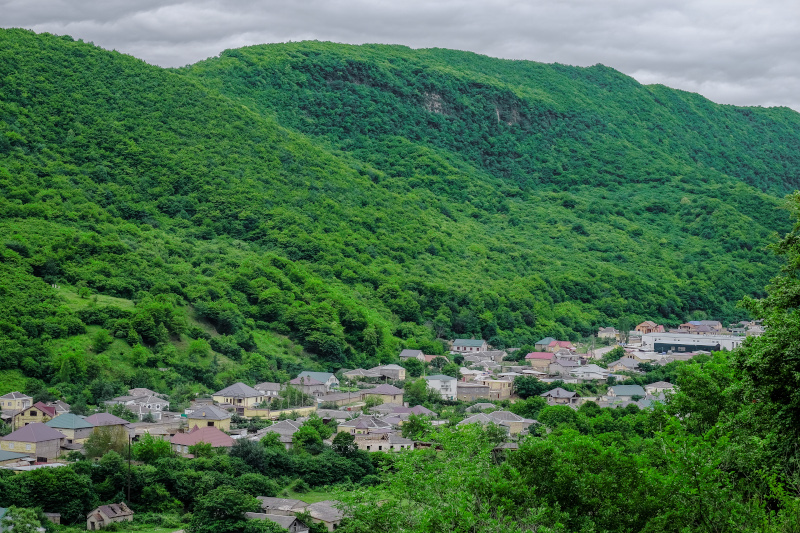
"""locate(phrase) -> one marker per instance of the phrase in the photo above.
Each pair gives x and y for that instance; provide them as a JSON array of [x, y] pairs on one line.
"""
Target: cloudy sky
[[743, 52]]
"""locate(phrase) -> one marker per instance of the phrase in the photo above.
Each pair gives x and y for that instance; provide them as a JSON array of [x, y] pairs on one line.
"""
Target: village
[[370, 405]]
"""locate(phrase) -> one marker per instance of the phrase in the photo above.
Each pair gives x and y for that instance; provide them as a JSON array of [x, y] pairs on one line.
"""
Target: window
[[27, 447], [10, 445], [210, 424], [34, 413]]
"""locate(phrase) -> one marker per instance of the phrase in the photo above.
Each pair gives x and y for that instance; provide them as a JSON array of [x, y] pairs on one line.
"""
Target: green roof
[[546, 340], [322, 377], [440, 377], [468, 342], [68, 421]]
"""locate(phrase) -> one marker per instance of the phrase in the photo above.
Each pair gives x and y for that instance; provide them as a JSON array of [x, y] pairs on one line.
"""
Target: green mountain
[[355, 200]]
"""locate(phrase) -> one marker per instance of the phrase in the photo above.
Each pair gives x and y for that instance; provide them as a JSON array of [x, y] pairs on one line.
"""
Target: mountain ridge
[[274, 193]]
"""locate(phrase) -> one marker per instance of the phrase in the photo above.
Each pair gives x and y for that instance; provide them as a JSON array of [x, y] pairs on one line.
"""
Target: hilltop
[[322, 205]]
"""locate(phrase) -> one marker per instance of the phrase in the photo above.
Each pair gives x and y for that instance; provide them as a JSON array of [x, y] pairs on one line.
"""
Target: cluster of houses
[[686, 332], [615, 396]]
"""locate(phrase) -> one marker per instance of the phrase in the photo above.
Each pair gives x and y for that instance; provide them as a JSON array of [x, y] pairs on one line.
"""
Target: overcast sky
[[742, 52]]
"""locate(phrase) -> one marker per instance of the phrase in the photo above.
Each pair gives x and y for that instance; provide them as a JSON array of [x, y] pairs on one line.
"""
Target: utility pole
[[129, 468]]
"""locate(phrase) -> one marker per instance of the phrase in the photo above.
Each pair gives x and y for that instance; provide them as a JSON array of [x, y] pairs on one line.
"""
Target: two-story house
[[444, 385]]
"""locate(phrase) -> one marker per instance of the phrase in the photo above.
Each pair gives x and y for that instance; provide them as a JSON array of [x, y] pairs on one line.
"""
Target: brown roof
[[35, 432], [383, 389], [46, 409], [106, 419], [208, 434], [114, 510]]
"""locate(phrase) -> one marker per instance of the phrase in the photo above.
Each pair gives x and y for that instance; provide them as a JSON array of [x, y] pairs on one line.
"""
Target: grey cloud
[[732, 51]]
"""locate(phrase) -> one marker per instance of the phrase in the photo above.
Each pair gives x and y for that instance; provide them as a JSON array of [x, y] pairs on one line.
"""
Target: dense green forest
[[321, 205]]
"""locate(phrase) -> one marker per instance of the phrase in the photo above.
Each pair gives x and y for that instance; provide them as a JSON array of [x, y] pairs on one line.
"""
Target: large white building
[[686, 342], [446, 385]]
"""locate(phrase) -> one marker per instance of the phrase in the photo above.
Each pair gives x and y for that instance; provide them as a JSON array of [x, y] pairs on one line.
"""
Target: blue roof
[[68, 421], [546, 340], [10, 456]]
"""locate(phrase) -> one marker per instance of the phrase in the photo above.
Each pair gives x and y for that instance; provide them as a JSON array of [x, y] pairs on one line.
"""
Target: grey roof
[[410, 353], [15, 396], [322, 377], [209, 412], [238, 390], [68, 421], [660, 385], [383, 389], [281, 504], [360, 372], [114, 510], [558, 392], [390, 367], [394, 438], [35, 432], [480, 406], [626, 362], [307, 381], [365, 422], [440, 377], [268, 386], [106, 419], [473, 343], [334, 413], [285, 521], [627, 390], [505, 416], [325, 511], [480, 418]]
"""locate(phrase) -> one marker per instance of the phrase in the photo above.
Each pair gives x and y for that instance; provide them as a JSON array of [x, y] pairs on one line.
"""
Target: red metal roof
[[209, 434], [540, 355]]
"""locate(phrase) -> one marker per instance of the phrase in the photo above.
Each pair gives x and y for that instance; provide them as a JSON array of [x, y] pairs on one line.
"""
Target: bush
[[301, 486]]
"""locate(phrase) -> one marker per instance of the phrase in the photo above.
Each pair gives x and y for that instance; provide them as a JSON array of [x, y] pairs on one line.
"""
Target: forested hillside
[[325, 205]]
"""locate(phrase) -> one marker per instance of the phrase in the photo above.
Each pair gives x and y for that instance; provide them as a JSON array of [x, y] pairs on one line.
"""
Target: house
[[9, 458], [290, 523], [325, 512], [15, 401], [562, 367], [589, 373], [75, 428], [648, 326], [240, 395], [310, 386], [106, 419], [659, 387], [208, 416], [405, 355], [540, 360], [143, 405], [469, 345], [395, 372], [559, 396], [559, 345], [492, 355], [268, 389], [35, 439], [360, 374], [478, 407], [285, 430], [467, 392], [340, 398], [281, 506], [543, 344], [327, 378], [387, 393], [625, 391], [209, 434], [626, 364], [108, 514], [364, 424], [513, 423], [607, 333], [499, 389], [687, 342], [334, 415], [38, 412], [444, 385]]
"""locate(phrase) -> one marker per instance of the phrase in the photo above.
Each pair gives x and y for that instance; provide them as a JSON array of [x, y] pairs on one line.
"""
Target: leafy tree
[[417, 393], [305, 437], [101, 341], [222, 511], [202, 449], [344, 444], [414, 367], [272, 441], [150, 449], [104, 439], [372, 402], [417, 427], [123, 412], [21, 519]]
